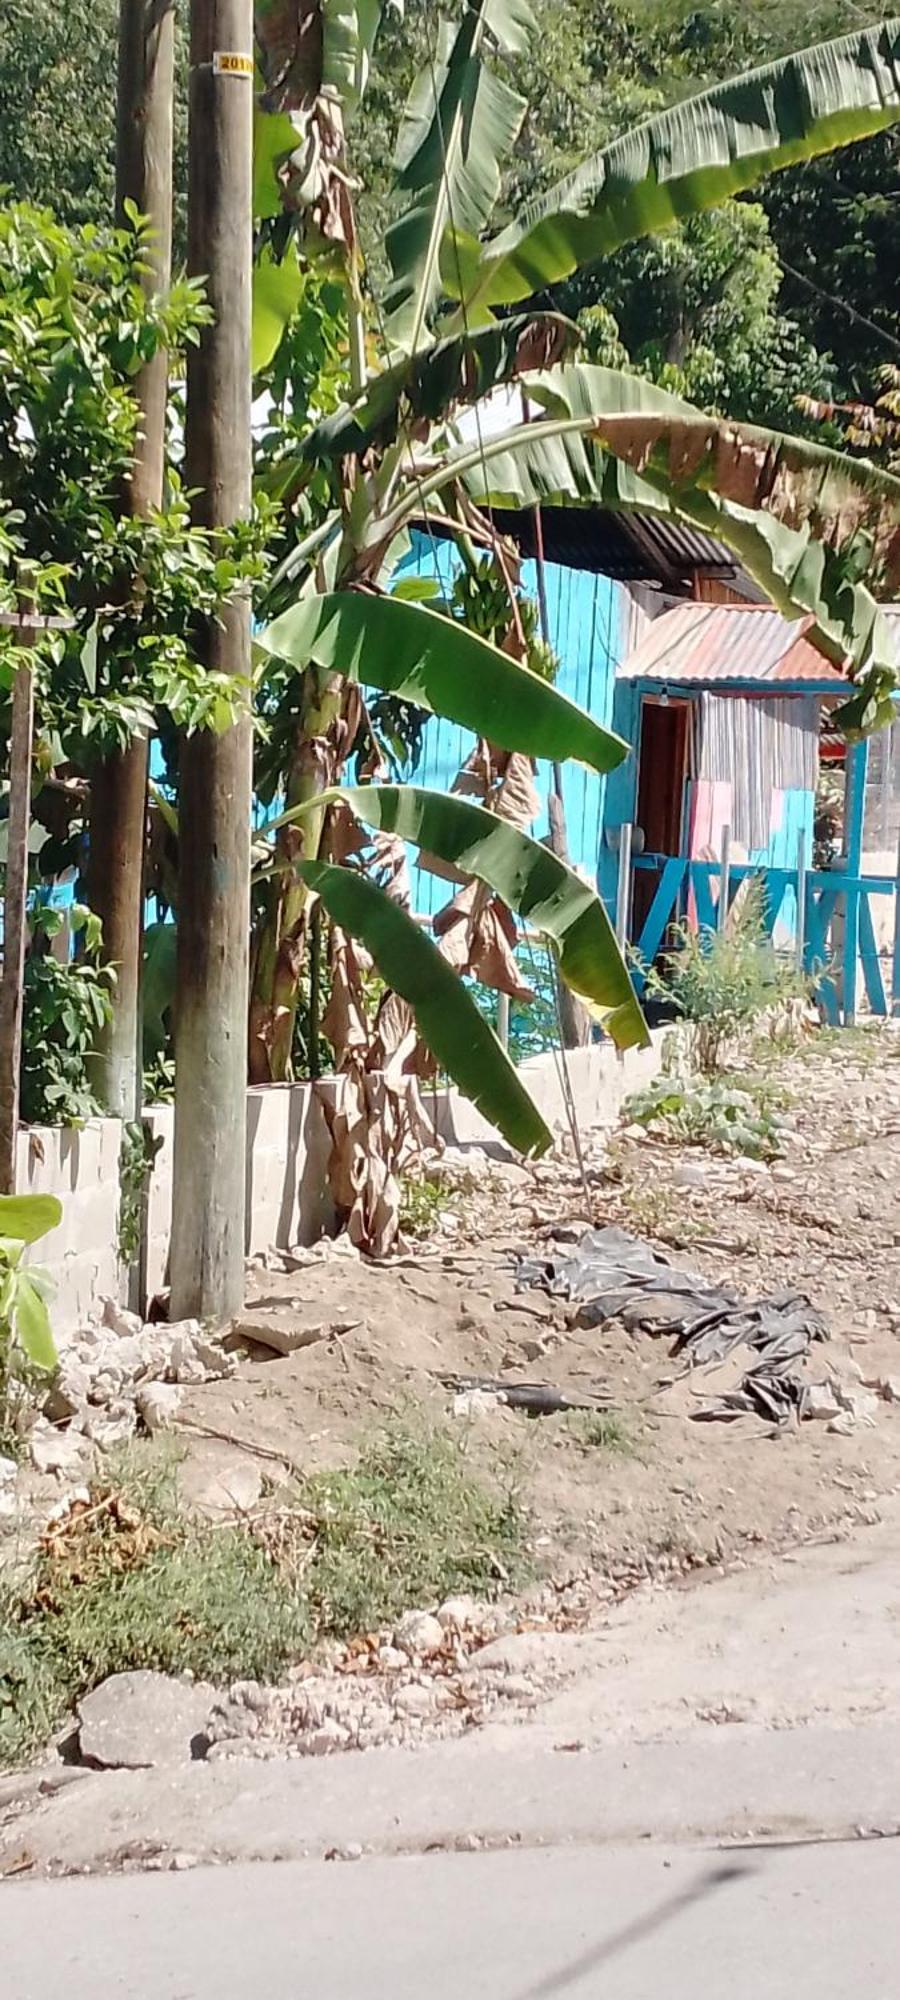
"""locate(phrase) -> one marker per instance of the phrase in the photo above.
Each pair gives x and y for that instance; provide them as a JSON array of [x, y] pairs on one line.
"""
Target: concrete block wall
[[287, 1160], [601, 1080], [82, 1168]]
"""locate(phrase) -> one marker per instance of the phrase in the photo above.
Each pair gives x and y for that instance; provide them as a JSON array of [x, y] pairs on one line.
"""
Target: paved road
[[806, 1923]]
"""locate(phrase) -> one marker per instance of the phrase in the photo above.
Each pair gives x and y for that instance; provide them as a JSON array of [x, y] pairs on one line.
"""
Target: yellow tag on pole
[[226, 63]]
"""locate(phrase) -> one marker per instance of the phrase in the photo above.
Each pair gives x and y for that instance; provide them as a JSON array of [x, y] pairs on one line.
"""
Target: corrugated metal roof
[[708, 644], [631, 548]]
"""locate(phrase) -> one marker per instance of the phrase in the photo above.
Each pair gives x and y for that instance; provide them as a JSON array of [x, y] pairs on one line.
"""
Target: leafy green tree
[[58, 107], [75, 326]]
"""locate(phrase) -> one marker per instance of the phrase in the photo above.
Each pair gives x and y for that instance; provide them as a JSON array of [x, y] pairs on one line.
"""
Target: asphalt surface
[[811, 1922]]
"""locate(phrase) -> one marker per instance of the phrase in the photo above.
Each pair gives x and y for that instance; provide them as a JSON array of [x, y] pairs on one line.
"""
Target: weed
[[725, 1116], [136, 1156], [723, 981], [410, 1523], [600, 1430], [126, 1580], [422, 1203], [656, 1209], [868, 1047], [65, 1010]]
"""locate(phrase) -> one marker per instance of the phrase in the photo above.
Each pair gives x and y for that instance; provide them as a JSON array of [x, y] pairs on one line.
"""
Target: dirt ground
[[654, 1491]]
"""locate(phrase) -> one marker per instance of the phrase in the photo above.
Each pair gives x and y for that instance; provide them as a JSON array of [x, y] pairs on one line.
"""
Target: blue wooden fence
[[838, 943]]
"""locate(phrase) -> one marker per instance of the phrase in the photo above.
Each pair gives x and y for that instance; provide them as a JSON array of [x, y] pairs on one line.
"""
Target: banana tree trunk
[[282, 943]]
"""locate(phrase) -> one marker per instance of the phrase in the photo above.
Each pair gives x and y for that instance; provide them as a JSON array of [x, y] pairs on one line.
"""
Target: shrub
[[723, 981]]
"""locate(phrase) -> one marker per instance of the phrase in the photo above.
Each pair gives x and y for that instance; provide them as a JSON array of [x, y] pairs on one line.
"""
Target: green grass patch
[[129, 1581], [599, 1430]]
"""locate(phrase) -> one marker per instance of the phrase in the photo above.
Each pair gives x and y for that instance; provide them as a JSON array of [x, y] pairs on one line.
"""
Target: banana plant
[[24, 1289], [814, 526]]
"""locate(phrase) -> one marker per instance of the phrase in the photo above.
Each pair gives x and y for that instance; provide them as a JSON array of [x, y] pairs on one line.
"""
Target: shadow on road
[[634, 1933]]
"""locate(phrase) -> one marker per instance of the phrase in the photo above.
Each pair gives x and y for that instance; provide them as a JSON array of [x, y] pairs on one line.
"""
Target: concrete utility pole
[[119, 784], [215, 790]]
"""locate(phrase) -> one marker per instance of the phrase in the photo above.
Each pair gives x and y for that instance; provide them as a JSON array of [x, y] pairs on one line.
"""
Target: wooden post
[[503, 1019], [623, 885], [724, 881], [215, 800], [800, 920], [118, 803], [15, 903], [895, 970], [854, 828]]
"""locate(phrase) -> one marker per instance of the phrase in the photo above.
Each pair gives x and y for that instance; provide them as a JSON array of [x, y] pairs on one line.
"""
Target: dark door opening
[[662, 773]]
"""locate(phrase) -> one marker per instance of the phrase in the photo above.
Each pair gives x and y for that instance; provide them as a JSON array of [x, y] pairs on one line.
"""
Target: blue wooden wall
[[587, 623]]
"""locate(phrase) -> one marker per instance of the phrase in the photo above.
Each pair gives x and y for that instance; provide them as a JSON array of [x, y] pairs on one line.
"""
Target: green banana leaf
[[825, 520], [460, 123], [446, 1016], [275, 138], [277, 291], [691, 157], [25, 1217], [421, 656], [532, 881], [32, 1323]]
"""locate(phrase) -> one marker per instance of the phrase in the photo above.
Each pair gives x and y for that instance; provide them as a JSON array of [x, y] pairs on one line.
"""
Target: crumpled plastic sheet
[[618, 1277]]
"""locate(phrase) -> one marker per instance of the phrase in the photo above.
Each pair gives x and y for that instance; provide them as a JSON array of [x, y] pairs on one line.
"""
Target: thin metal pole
[[574, 1021], [15, 902], [802, 864], [623, 886], [503, 1019], [724, 879]]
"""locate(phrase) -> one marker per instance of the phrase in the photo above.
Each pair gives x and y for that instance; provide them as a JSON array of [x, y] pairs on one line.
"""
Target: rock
[[194, 1360], [53, 1450], [516, 1653], [821, 1402], [516, 1687], [417, 1699], [109, 1427], [349, 1850], [331, 1735], [9, 1472], [392, 1658], [78, 1496], [70, 1390], [888, 1387], [158, 1404], [475, 1403], [460, 1613], [221, 1483], [419, 1632], [120, 1320], [692, 1173], [279, 1331], [861, 1405], [179, 1329], [136, 1720]]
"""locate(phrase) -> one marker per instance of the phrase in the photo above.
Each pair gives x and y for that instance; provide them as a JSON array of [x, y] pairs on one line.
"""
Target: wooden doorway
[[663, 769]]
